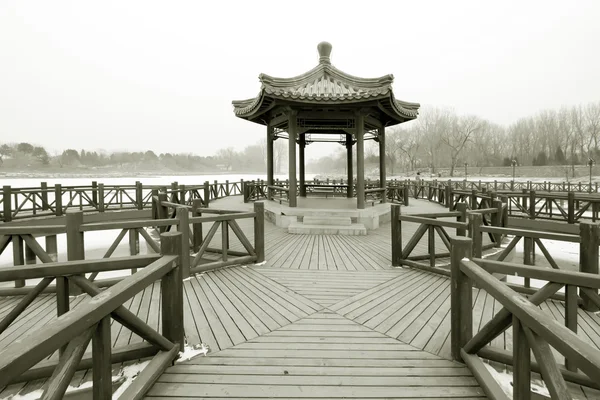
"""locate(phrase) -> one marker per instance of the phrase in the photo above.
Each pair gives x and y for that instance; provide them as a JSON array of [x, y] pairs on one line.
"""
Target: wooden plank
[[287, 391], [217, 328]]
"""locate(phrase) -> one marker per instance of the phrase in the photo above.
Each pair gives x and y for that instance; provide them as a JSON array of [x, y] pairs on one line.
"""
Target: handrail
[[533, 329], [90, 321]]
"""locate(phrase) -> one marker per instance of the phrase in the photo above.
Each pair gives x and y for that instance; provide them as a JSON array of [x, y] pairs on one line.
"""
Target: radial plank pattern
[[329, 287], [321, 356]]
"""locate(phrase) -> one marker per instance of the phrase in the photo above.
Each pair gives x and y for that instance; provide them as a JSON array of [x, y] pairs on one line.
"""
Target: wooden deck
[[324, 317]]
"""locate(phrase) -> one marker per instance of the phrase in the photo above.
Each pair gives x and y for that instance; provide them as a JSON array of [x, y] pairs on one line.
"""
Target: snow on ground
[[565, 254], [505, 380], [193, 351]]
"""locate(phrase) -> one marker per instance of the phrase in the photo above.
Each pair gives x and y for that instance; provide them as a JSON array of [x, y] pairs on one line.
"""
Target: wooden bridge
[[321, 317]]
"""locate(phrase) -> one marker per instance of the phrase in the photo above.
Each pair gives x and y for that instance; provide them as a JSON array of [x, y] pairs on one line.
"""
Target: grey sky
[[161, 75]]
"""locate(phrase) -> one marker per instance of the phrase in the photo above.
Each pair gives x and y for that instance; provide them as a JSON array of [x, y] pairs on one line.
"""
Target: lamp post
[[591, 164]]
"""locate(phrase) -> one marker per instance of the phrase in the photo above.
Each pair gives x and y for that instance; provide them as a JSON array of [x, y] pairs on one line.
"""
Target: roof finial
[[324, 52]]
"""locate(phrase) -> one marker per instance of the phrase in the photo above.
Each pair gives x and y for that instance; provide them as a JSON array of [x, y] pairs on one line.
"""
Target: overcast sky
[[129, 75]]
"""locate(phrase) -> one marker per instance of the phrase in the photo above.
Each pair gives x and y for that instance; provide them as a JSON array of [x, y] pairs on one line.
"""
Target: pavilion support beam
[[270, 179], [360, 160], [292, 133], [302, 147], [350, 192], [382, 177]]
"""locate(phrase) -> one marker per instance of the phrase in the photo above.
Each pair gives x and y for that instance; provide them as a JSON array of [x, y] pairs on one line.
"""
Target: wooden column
[[382, 174], [292, 133], [350, 191], [302, 147], [360, 160], [270, 131]]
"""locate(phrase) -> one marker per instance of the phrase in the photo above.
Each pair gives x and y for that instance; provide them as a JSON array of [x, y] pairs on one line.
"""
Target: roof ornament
[[324, 52]]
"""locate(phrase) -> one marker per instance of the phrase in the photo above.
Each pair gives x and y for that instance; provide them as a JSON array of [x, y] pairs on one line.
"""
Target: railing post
[[139, 195], [206, 194], [18, 257], [101, 205], [75, 243], [588, 256], [183, 216], [259, 231], [532, 204], [570, 207], [162, 210], [102, 366], [505, 203], [196, 227], [461, 298], [521, 362], [475, 223], [396, 235], [154, 198], [497, 220], [171, 288], [134, 245], [95, 193], [58, 200], [405, 195], [473, 199], [449, 197], [462, 209], [182, 194], [45, 206], [6, 203]]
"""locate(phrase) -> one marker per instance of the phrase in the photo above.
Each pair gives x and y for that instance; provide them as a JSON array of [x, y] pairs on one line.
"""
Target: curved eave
[[326, 69], [397, 111]]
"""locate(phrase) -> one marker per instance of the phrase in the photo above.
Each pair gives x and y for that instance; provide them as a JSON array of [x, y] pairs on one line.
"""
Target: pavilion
[[324, 103]]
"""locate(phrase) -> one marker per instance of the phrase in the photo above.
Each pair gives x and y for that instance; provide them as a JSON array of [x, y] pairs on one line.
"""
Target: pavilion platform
[[326, 316]]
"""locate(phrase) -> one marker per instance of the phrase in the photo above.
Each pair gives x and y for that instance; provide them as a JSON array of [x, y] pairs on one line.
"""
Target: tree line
[[20, 156], [440, 138]]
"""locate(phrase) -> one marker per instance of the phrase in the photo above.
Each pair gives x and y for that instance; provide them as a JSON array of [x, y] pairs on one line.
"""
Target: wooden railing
[[570, 207], [72, 331], [435, 225], [533, 329], [514, 185], [166, 216], [20, 203]]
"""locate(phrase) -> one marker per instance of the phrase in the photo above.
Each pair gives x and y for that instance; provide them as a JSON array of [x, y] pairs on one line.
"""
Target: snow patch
[[505, 380], [260, 264], [37, 394], [190, 352], [128, 374]]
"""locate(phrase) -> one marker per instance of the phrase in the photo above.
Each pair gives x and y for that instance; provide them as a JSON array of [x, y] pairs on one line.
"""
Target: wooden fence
[[73, 330], [533, 330], [166, 216], [436, 225], [20, 203]]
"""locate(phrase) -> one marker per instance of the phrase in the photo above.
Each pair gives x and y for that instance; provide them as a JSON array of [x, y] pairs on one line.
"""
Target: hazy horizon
[[107, 75]]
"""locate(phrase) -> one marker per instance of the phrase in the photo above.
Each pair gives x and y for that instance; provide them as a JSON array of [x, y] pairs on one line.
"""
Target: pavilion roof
[[325, 84]]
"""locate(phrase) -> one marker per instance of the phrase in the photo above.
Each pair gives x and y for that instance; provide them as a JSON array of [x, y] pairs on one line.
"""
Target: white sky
[[137, 75]]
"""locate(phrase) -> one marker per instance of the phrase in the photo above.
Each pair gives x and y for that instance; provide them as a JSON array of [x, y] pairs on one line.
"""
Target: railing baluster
[[461, 298], [522, 363], [101, 369]]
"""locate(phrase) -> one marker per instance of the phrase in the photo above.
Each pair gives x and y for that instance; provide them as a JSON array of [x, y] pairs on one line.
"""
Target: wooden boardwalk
[[324, 317]]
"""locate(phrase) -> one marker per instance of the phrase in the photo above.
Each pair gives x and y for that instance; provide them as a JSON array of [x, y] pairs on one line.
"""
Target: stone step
[[299, 228], [326, 220]]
